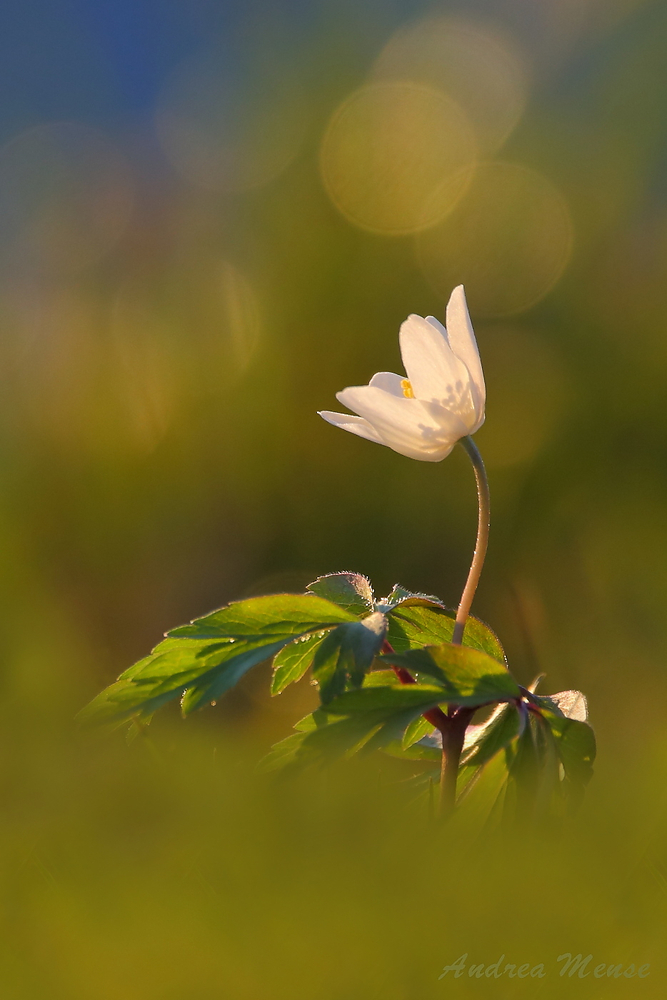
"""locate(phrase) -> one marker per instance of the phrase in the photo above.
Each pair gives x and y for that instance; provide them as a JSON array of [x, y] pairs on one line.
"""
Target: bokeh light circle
[[478, 66], [66, 196], [396, 157], [508, 241], [230, 128]]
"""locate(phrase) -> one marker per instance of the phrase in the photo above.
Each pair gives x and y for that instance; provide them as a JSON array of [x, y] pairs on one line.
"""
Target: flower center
[[407, 388]]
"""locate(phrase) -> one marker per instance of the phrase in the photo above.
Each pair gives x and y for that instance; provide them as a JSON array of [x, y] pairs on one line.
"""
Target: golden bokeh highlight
[[508, 241], [66, 196], [396, 157], [479, 67], [222, 134]]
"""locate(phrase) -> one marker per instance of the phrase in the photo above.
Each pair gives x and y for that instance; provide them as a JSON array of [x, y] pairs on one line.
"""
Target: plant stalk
[[453, 736], [481, 543]]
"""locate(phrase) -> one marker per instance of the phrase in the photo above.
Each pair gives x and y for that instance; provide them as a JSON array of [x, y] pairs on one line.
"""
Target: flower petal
[[436, 374], [462, 341], [477, 393], [389, 382], [356, 425], [413, 428]]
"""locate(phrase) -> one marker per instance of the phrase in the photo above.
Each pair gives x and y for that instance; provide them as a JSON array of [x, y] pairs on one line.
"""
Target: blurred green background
[[213, 216]]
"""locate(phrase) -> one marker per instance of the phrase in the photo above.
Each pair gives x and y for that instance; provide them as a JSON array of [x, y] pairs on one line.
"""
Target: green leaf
[[211, 655], [205, 669], [484, 741], [341, 736], [382, 678], [570, 704], [482, 792], [293, 660], [534, 782], [122, 700], [350, 591], [347, 653], [226, 673], [399, 594], [416, 730], [416, 751], [362, 731], [284, 753], [412, 625], [276, 614], [467, 676], [363, 720], [320, 737], [387, 700], [575, 745], [180, 658]]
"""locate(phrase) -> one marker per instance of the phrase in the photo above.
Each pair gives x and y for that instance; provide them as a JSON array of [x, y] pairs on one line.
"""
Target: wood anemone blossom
[[441, 400], [422, 416]]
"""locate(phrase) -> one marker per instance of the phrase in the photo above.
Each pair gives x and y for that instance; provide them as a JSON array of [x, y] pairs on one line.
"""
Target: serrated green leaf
[[276, 614], [312, 721], [481, 793], [570, 704], [206, 669], [226, 673], [467, 676], [391, 730], [124, 699], [416, 751], [374, 723], [184, 660], [413, 624], [351, 591], [283, 754], [400, 594], [293, 660], [416, 731], [166, 651], [359, 732], [342, 736], [387, 699], [347, 653], [575, 746], [381, 678], [486, 740], [534, 782]]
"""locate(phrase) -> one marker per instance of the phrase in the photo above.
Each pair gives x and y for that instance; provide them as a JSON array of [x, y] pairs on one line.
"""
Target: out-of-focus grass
[[172, 870]]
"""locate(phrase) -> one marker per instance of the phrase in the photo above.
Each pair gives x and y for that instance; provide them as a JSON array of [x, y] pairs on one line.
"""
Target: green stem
[[482, 539]]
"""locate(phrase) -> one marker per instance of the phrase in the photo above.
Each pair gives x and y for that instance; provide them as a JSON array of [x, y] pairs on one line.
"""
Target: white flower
[[442, 399]]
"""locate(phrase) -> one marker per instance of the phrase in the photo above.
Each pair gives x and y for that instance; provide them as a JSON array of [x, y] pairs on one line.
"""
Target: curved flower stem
[[482, 539]]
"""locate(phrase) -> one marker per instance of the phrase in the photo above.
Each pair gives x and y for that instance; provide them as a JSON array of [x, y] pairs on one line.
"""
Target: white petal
[[389, 382], [436, 374], [411, 427], [462, 341], [438, 325], [356, 425]]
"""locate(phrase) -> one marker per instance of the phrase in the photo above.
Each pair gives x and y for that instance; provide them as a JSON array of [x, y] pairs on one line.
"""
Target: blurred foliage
[[170, 321]]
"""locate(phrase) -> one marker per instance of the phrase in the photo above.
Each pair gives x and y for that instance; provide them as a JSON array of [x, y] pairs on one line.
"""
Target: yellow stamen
[[407, 388]]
